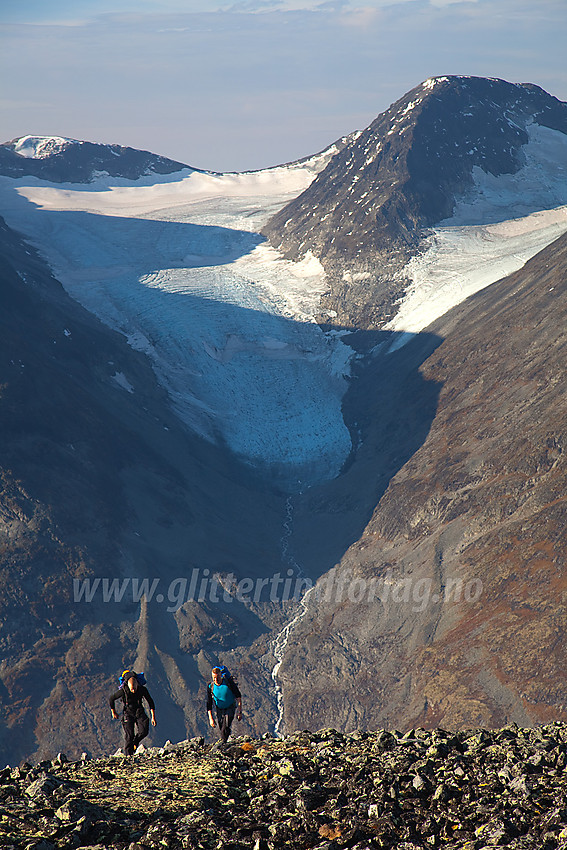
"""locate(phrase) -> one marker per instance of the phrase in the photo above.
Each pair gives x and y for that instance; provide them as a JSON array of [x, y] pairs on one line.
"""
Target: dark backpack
[[226, 678], [226, 675]]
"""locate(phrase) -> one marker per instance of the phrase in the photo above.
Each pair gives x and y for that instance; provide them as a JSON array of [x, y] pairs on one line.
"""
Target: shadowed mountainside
[[467, 545], [98, 481]]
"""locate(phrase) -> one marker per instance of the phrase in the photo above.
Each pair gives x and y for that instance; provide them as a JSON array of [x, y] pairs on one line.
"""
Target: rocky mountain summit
[[63, 160], [368, 211], [323, 790]]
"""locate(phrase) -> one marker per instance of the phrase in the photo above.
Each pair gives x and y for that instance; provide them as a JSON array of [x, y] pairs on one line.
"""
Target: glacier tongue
[[179, 268]]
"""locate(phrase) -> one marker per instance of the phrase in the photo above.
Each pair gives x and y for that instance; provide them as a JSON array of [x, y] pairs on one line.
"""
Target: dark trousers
[[225, 716], [131, 739]]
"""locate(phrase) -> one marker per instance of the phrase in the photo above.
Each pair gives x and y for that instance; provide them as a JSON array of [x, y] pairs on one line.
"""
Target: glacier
[[177, 265], [495, 228]]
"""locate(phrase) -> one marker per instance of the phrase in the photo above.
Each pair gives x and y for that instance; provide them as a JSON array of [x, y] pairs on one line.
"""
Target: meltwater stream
[[280, 642]]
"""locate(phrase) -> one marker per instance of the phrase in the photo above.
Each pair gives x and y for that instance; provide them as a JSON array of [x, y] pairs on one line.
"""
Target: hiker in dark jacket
[[223, 694], [132, 694]]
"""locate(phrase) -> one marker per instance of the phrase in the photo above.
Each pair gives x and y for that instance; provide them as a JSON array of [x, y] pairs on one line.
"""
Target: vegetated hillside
[[99, 480], [467, 546], [321, 790], [366, 213]]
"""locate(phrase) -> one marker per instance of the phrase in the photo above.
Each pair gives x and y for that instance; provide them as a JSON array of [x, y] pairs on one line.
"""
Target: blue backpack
[[225, 673], [127, 674]]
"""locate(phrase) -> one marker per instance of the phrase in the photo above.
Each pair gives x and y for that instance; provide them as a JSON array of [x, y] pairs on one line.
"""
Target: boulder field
[[324, 790]]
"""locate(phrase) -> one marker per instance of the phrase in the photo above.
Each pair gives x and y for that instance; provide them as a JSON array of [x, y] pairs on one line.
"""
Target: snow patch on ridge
[[433, 81], [41, 147], [122, 381]]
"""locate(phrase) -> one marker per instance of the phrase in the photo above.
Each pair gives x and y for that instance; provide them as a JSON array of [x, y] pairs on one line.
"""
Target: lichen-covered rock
[[43, 786]]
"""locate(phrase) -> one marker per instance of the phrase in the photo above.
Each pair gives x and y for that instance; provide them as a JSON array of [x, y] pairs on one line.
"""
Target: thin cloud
[[362, 18], [242, 90]]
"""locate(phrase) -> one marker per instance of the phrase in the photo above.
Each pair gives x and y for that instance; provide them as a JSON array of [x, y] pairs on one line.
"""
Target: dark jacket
[[226, 681], [132, 700]]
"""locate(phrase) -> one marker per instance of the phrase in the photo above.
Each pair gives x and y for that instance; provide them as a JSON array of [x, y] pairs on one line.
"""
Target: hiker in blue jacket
[[132, 694], [224, 695]]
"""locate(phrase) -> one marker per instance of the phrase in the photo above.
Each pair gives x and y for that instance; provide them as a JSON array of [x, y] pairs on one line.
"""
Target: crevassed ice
[[179, 268]]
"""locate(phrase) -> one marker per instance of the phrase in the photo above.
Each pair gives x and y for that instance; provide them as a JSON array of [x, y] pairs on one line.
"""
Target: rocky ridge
[[323, 790], [71, 161]]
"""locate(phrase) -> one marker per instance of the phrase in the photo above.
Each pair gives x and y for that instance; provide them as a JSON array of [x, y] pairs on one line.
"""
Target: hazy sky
[[243, 85]]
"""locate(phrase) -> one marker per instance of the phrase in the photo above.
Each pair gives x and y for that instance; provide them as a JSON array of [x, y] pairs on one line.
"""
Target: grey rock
[[43, 786], [520, 786], [419, 782], [74, 810], [42, 844]]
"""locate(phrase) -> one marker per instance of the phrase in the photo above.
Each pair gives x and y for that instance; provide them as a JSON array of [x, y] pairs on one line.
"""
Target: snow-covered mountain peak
[[40, 147], [478, 148]]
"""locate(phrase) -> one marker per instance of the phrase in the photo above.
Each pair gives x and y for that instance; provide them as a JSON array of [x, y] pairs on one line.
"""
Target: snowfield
[[41, 147], [494, 230], [176, 263]]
